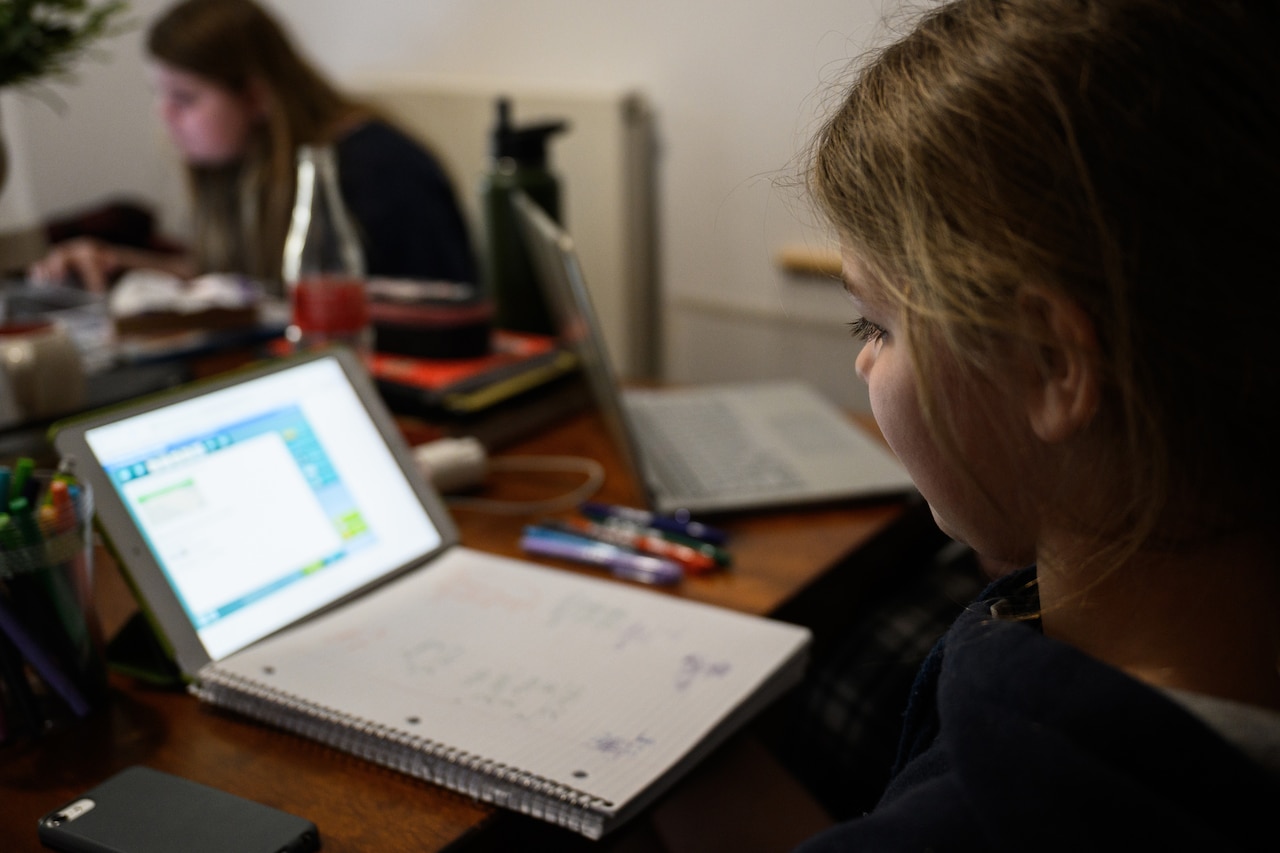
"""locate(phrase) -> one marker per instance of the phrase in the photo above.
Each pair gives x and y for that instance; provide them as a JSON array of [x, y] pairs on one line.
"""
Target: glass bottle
[[323, 266]]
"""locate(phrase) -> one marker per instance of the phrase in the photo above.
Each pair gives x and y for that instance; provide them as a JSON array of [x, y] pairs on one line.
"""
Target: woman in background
[[238, 100]]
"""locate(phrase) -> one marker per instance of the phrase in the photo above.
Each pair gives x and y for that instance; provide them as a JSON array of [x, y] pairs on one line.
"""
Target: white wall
[[738, 88]]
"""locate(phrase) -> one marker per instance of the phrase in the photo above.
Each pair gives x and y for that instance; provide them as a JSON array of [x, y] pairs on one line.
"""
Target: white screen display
[[265, 500]]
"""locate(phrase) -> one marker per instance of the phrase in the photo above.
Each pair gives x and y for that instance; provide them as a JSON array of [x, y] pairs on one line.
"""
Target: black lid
[[526, 145]]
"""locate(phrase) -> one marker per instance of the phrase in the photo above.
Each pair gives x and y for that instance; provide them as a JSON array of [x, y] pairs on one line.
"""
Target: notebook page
[[594, 684]]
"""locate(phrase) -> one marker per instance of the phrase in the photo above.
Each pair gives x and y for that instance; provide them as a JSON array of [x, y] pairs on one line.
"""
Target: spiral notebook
[[304, 574]]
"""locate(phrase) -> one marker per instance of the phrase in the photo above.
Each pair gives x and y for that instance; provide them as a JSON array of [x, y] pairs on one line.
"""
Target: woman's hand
[[92, 261], [96, 263]]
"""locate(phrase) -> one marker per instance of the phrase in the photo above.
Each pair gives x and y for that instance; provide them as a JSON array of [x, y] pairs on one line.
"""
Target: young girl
[[1057, 220], [238, 100]]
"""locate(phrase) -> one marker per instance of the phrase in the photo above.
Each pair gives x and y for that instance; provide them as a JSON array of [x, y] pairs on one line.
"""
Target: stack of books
[[522, 384], [517, 362]]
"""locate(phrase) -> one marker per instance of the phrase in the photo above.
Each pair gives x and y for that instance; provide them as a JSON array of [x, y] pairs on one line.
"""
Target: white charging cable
[[456, 464]]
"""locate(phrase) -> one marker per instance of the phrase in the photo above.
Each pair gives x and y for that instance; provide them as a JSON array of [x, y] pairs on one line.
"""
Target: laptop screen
[[265, 500], [560, 274]]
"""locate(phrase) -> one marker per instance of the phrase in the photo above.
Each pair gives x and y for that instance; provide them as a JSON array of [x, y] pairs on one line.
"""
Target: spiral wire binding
[[483, 778]]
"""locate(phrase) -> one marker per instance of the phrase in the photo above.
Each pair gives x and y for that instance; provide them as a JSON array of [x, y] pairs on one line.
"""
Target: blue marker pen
[[680, 523], [622, 562]]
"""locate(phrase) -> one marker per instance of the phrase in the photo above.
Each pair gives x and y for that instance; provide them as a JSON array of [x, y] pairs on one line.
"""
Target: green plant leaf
[[42, 39]]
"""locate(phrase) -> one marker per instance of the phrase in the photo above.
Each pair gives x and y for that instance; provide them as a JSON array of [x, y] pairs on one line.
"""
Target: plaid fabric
[[843, 723]]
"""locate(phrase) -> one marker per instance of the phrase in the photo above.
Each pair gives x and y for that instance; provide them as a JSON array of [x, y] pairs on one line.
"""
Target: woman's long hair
[[241, 210]]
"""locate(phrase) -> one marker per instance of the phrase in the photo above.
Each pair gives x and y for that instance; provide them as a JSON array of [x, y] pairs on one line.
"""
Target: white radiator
[[605, 163]]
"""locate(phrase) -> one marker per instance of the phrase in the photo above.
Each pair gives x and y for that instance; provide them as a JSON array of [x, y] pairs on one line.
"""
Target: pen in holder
[[52, 669]]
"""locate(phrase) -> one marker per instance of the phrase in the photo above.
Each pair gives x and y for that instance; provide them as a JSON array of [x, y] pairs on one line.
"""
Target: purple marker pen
[[621, 562]]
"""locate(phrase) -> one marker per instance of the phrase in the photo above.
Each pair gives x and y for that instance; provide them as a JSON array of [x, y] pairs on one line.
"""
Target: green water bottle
[[519, 162]]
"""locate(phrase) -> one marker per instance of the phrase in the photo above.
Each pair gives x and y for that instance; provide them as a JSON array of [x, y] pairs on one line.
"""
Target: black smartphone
[[141, 810]]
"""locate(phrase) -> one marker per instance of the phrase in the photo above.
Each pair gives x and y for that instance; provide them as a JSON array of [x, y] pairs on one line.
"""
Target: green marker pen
[[21, 473]]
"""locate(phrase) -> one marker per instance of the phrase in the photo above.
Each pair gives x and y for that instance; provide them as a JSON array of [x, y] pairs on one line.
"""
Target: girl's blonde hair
[[1123, 152], [241, 210]]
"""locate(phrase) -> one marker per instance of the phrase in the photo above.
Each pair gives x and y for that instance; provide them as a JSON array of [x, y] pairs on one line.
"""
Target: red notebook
[[518, 361]]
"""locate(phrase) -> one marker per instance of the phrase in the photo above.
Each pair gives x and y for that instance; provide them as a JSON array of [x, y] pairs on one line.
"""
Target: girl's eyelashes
[[865, 330]]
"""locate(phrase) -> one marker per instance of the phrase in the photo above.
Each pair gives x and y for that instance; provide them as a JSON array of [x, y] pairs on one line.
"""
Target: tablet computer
[[241, 504]]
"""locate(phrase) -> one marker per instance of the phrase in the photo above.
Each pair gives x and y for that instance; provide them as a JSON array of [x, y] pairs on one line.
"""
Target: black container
[[428, 319], [519, 162]]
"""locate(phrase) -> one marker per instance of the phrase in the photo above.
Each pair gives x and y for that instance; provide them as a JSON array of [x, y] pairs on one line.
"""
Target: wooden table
[[802, 565]]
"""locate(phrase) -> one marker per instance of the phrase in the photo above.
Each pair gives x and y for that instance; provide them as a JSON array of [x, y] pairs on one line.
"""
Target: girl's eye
[[178, 100], [866, 331]]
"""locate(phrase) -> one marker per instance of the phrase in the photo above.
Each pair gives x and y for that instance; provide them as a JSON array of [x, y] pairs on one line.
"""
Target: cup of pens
[[52, 670]]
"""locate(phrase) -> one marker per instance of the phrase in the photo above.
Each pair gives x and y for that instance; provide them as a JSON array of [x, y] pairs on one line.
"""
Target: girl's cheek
[[865, 360]]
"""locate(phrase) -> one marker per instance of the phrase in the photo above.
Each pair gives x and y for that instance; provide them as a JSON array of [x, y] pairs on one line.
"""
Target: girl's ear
[[1065, 384]]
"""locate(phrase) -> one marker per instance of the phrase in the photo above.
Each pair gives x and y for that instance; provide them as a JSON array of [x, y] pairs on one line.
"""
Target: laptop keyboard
[[697, 448]]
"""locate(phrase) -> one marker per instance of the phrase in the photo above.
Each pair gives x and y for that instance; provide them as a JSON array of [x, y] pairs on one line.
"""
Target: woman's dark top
[[404, 206]]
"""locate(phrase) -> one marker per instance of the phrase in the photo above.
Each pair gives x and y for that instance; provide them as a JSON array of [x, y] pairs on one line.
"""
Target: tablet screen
[[264, 501]]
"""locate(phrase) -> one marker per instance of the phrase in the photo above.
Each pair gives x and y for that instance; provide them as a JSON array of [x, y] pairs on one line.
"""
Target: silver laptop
[[710, 448]]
